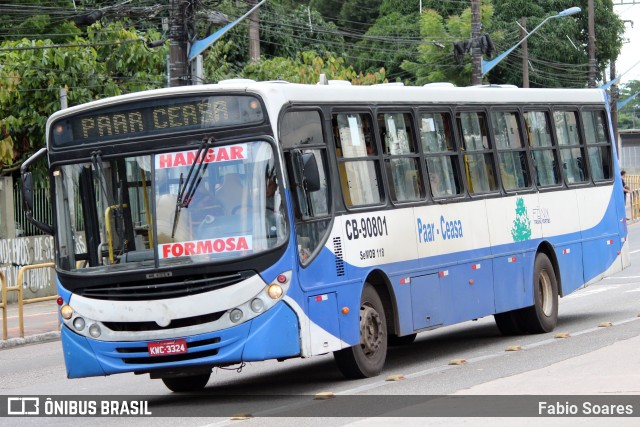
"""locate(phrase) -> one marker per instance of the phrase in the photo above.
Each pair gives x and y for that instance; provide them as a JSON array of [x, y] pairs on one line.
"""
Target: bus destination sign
[[159, 116]]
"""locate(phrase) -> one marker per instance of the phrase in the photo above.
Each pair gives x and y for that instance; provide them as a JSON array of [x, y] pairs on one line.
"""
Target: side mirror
[[310, 172], [27, 191]]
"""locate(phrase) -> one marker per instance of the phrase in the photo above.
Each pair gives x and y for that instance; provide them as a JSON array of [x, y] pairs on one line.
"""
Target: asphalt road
[[421, 369]]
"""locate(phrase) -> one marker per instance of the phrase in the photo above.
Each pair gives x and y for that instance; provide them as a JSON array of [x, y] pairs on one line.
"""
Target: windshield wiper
[[188, 186]]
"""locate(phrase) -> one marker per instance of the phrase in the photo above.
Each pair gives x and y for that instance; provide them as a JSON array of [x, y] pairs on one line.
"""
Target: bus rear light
[[78, 323], [66, 312], [275, 291], [94, 330], [60, 301], [281, 278]]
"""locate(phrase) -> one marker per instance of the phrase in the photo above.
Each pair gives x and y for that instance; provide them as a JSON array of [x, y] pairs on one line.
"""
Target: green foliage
[[435, 64], [307, 67], [289, 31], [109, 61], [330, 9], [25, 19], [629, 114], [557, 52], [358, 15], [389, 41]]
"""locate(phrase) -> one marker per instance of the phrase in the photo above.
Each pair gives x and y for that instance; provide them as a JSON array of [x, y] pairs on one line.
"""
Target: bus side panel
[[467, 292], [515, 229], [561, 227], [601, 243]]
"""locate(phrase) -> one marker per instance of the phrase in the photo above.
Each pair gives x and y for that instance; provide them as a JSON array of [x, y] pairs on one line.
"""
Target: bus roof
[[278, 93]]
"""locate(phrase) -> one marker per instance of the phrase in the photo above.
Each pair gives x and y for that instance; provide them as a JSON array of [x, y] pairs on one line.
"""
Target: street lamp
[[488, 65]]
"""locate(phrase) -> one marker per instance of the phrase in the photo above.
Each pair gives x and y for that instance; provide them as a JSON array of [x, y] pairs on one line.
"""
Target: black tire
[[403, 340], [366, 359], [187, 384], [508, 323], [543, 315]]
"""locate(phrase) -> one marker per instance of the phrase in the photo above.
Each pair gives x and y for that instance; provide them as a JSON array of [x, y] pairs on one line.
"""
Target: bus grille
[[160, 289], [168, 359], [153, 326], [337, 249]]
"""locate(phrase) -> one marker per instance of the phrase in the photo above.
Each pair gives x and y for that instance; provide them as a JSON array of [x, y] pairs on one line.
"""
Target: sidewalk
[[40, 324]]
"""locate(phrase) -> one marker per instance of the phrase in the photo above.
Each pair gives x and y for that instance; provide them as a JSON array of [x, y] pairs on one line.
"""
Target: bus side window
[[512, 158], [542, 149], [357, 163], [440, 154], [598, 146], [401, 157], [478, 162], [301, 133], [571, 150]]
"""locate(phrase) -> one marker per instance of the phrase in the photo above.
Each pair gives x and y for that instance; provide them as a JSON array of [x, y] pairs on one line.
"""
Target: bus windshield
[[193, 206]]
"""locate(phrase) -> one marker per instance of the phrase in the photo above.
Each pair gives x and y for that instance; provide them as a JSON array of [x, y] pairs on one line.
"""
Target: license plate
[[166, 348]]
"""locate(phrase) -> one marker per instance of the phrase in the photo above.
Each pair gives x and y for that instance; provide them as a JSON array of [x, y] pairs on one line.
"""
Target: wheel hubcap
[[371, 332], [546, 295]]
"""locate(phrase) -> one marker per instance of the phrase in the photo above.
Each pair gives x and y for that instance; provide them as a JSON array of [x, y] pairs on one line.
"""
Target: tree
[[557, 54], [434, 63], [629, 115], [109, 61], [306, 67], [391, 40], [286, 32]]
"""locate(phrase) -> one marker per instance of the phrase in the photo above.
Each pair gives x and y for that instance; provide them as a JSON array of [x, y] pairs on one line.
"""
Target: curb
[[16, 342]]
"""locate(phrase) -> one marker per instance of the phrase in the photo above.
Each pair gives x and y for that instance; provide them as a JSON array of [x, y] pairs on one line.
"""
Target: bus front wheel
[[366, 359], [543, 315], [187, 384]]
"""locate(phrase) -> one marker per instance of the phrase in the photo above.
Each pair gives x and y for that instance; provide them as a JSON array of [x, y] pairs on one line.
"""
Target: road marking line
[[434, 370]]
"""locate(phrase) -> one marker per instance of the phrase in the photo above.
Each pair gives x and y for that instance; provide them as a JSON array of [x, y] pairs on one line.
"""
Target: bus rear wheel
[[187, 384], [367, 358], [543, 315]]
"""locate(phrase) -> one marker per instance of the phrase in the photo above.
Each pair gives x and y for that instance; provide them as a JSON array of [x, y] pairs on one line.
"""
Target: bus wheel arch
[[366, 358], [542, 316], [546, 248]]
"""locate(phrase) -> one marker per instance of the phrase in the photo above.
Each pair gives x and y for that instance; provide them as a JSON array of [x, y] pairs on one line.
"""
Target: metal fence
[[41, 211]]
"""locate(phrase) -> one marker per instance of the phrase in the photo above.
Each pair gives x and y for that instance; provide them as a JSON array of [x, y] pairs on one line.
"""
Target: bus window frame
[[525, 148], [417, 155], [608, 144], [581, 144], [383, 185], [546, 110], [449, 110], [291, 186], [497, 192]]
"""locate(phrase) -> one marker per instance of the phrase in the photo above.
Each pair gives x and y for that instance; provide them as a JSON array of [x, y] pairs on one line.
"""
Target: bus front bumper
[[272, 335]]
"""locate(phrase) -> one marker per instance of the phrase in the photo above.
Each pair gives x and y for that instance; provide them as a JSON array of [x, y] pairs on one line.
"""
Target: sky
[[630, 54]]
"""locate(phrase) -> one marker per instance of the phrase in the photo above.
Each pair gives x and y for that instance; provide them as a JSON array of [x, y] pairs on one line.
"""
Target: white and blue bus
[[207, 226]]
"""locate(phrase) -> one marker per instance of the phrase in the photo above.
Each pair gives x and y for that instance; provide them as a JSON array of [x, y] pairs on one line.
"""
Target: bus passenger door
[[425, 301]]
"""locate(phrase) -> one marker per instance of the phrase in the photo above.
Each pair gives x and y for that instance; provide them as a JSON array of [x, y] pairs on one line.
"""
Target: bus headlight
[[94, 330], [78, 323], [257, 305], [235, 315]]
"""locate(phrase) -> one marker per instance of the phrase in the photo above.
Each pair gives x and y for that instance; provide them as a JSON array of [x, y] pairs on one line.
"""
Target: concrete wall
[[16, 252], [20, 251]]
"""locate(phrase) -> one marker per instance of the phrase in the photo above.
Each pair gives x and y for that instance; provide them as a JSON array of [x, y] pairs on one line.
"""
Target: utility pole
[[178, 44], [254, 34], [476, 54], [592, 45], [525, 52]]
